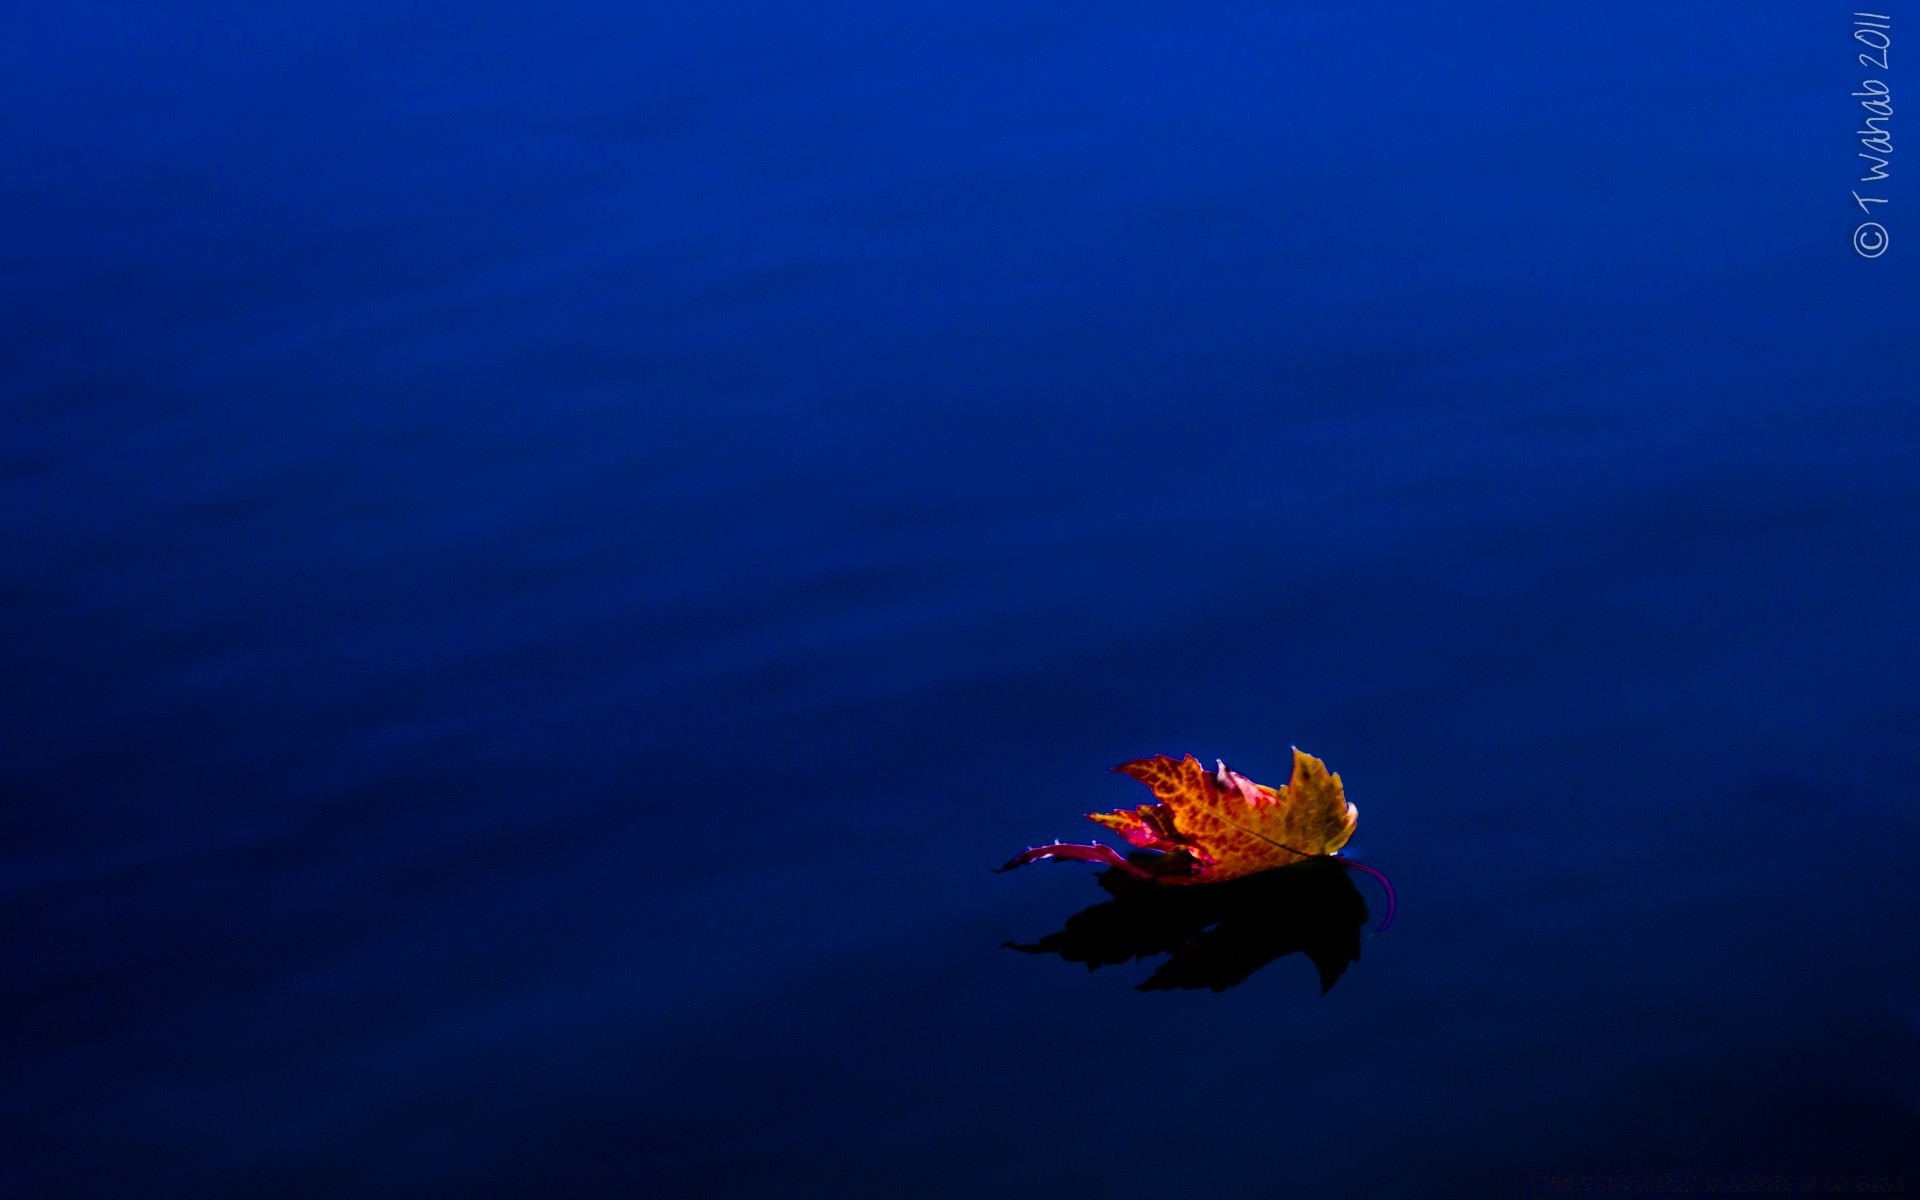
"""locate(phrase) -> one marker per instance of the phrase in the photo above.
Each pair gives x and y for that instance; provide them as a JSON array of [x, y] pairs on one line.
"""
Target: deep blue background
[[545, 550]]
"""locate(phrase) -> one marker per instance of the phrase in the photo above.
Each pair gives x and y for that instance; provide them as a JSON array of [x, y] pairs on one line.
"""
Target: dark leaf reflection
[[1216, 935]]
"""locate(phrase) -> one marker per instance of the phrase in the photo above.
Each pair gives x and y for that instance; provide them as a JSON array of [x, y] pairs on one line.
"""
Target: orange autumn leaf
[[1211, 826]]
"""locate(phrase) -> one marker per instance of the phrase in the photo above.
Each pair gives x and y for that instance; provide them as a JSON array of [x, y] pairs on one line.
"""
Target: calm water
[[545, 552]]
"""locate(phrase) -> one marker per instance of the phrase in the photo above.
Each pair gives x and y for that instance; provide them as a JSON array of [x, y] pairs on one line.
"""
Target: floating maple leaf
[[1213, 826]]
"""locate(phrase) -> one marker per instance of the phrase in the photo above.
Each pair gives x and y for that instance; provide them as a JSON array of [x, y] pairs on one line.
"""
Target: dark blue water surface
[[546, 550]]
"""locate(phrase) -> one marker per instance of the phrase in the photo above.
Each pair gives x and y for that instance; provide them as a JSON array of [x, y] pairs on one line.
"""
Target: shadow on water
[[1217, 935]]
